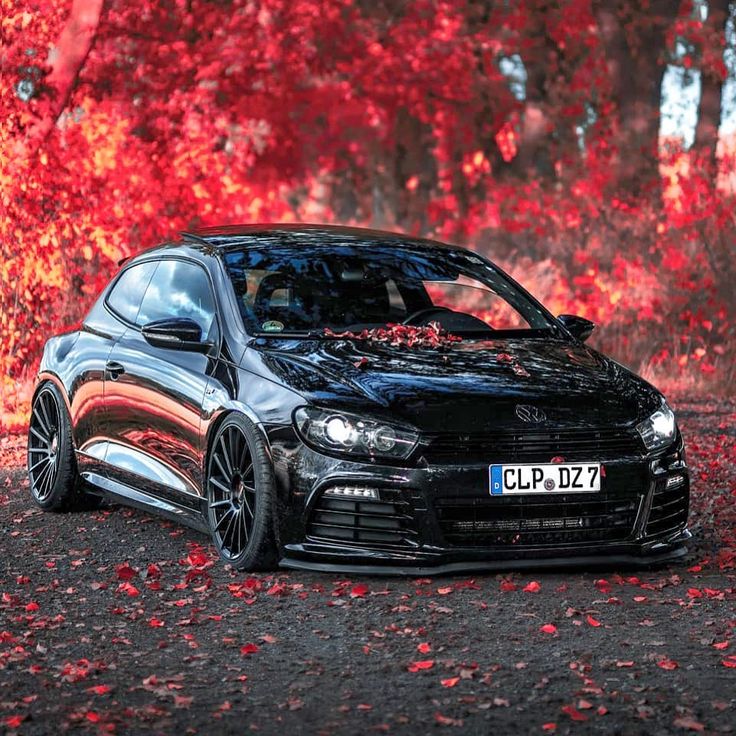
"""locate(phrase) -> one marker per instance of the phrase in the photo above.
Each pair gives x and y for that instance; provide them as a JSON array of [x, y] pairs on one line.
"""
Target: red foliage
[[121, 126]]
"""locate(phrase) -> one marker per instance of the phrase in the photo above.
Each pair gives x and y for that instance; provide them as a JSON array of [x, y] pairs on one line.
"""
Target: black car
[[344, 399]]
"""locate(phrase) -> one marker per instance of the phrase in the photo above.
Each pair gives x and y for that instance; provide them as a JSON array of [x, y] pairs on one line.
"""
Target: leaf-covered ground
[[115, 621]]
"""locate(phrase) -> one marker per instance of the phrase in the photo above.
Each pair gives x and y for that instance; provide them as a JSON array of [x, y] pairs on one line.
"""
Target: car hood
[[473, 386]]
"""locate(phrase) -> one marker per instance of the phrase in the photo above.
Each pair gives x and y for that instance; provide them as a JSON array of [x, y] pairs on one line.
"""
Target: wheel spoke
[[224, 502], [224, 516], [247, 506], [228, 529], [41, 478], [49, 481], [46, 440], [226, 455], [248, 472], [244, 525], [42, 424], [227, 476], [219, 485], [44, 459], [233, 454], [42, 406]]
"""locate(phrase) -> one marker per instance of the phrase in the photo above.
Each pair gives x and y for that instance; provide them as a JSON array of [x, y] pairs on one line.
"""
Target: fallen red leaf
[[574, 713], [548, 629], [424, 664]]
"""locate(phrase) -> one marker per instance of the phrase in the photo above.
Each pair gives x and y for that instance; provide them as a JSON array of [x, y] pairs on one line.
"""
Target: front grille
[[669, 509], [530, 447], [367, 522], [566, 519], [554, 519]]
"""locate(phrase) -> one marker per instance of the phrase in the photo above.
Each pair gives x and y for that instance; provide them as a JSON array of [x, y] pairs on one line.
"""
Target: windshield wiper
[[304, 334]]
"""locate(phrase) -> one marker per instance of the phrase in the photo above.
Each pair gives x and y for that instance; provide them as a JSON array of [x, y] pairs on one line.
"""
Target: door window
[[179, 289]]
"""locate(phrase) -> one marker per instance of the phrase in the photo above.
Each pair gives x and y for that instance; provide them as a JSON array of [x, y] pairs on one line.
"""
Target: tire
[[52, 465], [241, 496]]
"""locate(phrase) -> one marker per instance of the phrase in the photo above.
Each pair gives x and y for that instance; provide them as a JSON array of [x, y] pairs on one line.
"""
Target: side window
[[127, 293], [179, 289]]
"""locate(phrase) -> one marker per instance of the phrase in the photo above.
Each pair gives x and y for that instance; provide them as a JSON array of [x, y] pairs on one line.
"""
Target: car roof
[[211, 241], [238, 235]]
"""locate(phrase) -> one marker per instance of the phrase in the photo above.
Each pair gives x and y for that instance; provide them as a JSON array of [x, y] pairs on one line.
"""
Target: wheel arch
[[215, 422], [47, 376]]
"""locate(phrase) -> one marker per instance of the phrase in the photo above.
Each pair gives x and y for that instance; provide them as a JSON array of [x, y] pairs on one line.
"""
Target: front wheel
[[241, 496]]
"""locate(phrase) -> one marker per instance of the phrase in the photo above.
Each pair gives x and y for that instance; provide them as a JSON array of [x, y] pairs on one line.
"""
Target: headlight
[[353, 435], [659, 430]]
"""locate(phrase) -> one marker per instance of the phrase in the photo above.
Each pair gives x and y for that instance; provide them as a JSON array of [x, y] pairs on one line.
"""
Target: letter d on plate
[[496, 480]]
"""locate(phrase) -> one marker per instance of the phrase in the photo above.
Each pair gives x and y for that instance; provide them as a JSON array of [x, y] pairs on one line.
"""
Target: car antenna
[[194, 238]]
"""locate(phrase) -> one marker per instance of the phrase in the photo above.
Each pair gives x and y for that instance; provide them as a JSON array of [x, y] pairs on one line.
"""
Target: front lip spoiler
[[652, 555]]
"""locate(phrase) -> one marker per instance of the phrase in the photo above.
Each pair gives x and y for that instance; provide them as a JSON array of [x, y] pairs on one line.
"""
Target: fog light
[[352, 492], [674, 481]]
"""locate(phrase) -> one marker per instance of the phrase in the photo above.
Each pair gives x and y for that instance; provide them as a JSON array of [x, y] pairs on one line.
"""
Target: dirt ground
[[118, 622]]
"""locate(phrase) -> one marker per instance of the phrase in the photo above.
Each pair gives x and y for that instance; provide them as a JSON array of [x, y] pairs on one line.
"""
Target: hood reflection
[[471, 386]]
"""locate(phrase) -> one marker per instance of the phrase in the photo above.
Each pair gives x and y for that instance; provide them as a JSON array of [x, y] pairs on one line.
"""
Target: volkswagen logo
[[529, 413]]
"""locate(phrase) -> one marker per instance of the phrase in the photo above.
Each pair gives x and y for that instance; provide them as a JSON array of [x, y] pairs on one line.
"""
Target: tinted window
[[179, 289], [127, 293]]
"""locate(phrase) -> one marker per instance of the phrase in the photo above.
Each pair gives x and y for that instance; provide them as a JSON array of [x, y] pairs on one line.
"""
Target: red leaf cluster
[[426, 336]]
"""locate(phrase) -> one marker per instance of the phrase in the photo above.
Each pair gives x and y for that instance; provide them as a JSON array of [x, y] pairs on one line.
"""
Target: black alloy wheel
[[240, 489]]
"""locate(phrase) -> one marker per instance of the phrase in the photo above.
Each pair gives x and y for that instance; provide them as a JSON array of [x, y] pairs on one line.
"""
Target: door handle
[[114, 369]]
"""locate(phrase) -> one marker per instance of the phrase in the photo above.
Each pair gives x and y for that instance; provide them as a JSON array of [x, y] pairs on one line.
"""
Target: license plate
[[507, 480]]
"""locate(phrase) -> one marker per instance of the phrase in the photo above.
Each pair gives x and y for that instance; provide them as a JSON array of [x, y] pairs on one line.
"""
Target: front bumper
[[436, 519]]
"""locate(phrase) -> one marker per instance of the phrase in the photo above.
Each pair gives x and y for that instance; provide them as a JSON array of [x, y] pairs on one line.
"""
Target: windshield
[[307, 288]]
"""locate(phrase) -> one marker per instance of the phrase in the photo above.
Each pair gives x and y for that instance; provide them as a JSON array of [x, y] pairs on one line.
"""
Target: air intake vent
[[363, 521], [669, 509]]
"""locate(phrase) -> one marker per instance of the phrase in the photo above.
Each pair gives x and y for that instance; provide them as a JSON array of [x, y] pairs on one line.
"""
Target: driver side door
[[154, 396]]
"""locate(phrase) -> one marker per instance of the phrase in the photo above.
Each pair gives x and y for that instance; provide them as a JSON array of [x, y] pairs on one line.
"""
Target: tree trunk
[[634, 42], [709, 110], [66, 59]]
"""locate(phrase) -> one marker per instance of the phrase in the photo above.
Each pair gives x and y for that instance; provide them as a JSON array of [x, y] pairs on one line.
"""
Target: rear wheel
[[52, 466], [241, 496]]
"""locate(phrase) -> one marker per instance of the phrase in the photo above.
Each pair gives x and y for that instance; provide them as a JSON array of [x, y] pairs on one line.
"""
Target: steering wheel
[[423, 314]]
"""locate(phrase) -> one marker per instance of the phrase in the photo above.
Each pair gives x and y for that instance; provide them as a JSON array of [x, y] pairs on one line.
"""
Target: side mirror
[[180, 333], [577, 326]]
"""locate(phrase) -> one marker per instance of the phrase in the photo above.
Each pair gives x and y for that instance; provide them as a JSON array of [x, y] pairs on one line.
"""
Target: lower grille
[[669, 509], [524, 521], [363, 521], [510, 447]]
